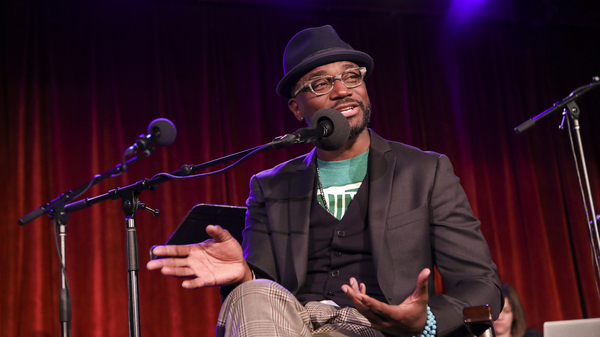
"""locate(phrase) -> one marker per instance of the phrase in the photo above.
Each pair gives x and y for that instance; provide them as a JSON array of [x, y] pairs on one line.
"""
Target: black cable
[[168, 175]]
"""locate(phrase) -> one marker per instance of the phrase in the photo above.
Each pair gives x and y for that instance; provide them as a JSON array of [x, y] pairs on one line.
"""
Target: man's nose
[[340, 90]]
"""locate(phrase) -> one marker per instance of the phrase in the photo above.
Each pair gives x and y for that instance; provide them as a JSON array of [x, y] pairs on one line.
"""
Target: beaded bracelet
[[430, 327]]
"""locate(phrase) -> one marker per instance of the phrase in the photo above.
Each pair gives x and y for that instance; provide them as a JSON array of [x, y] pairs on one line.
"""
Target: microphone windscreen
[[341, 129], [167, 129]]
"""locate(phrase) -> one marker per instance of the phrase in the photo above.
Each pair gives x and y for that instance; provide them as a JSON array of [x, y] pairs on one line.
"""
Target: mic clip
[[142, 143], [285, 141]]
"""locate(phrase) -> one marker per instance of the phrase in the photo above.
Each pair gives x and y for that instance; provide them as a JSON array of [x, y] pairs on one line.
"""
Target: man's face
[[353, 103]]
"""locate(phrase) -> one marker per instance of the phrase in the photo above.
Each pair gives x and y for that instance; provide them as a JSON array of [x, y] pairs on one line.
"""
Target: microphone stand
[[56, 211], [130, 203], [64, 313], [571, 109]]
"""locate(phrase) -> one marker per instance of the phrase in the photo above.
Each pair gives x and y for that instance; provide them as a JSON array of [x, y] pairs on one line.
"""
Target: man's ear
[[293, 105]]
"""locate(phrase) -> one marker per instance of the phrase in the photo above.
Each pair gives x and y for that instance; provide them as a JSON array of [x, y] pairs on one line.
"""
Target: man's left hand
[[409, 317]]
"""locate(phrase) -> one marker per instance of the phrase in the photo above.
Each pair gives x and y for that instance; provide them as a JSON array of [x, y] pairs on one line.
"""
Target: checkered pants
[[264, 308]]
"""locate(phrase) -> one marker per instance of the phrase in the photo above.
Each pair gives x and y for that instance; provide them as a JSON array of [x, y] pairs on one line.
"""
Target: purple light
[[466, 8]]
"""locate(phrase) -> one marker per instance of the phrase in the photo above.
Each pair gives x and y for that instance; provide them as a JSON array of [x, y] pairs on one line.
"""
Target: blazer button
[[330, 293], [337, 254], [341, 233], [335, 273]]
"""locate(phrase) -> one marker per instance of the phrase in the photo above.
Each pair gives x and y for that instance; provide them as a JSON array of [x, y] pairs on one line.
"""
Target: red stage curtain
[[80, 81]]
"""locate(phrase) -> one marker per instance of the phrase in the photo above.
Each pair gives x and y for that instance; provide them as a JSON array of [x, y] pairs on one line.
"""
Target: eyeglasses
[[350, 78]]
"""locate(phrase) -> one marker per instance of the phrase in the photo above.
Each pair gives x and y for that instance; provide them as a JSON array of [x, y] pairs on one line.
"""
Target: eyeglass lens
[[350, 78]]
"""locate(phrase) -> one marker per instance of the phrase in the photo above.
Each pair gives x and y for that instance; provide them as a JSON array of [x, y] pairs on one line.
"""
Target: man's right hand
[[215, 262]]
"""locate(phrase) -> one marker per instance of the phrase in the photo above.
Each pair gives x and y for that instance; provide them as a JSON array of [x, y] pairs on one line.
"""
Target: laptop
[[589, 327]]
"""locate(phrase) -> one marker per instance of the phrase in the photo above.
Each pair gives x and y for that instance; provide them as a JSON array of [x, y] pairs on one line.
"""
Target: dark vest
[[342, 250]]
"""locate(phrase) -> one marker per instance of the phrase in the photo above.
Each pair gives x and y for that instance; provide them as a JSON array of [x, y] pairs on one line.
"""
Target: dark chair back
[[478, 321]]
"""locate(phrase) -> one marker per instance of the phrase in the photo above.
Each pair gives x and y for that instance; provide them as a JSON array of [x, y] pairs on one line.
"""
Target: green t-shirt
[[341, 180]]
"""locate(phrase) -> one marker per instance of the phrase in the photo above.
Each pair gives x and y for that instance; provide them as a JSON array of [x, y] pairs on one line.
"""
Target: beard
[[357, 129]]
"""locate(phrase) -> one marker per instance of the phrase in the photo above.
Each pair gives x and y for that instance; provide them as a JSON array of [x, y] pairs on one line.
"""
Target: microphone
[[161, 132], [328, 130]]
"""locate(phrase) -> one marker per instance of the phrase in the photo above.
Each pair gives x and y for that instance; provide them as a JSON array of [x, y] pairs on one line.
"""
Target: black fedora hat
[[314, 47]]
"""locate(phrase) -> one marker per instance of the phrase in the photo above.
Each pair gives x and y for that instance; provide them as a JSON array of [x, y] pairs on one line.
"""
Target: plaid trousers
[[264, 308]]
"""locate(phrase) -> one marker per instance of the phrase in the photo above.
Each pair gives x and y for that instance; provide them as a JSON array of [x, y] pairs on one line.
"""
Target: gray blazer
[[419, 217]]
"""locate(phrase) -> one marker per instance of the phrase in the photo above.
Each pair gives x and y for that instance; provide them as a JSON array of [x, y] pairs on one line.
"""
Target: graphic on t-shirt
[[339, 198]]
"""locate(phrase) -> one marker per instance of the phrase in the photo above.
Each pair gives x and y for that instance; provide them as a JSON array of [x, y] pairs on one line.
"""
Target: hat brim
[[288, 82]]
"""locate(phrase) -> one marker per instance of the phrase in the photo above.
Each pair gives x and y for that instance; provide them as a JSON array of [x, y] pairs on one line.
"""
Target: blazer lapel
[[301, 193], [381, 173]]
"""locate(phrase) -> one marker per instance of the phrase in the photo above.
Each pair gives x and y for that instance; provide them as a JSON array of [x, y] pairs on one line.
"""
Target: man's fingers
[[378, 313], [422, 282], [172, 250], [178, 271], [166, 263], [359, 288], [368, 307], [354, 296], [218, 233], [362, 301], [154, 264], [354, 284], [372, 304], [189, 284], [192, 284], [423, 276]]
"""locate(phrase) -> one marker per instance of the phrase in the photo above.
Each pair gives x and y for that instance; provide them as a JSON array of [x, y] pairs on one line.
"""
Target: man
[[304, 238]]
